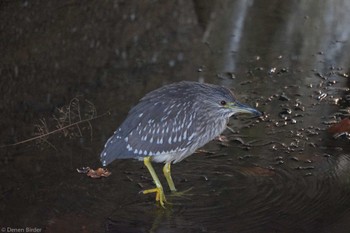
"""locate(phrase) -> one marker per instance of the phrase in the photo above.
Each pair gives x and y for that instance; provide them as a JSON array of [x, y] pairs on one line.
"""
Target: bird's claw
[[160, 197], [182, 194]]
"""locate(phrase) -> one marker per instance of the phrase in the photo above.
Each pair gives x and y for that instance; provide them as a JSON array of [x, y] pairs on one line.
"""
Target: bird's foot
[[160, 197], [182, 194]]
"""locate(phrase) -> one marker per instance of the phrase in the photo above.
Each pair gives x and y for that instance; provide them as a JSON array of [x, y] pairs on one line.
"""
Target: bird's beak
[[237, 107]]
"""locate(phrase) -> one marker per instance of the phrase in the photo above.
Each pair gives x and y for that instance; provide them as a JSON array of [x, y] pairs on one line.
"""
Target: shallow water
[[282, 172]]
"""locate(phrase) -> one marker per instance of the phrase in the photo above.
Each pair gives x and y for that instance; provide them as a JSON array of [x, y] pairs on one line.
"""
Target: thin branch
[[56, 131]]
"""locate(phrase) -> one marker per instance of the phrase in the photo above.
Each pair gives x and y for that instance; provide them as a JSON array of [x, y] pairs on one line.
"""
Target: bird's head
[[222, 101]]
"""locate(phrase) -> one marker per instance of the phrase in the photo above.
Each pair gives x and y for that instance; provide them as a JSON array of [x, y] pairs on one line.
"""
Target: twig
[[56, 131]]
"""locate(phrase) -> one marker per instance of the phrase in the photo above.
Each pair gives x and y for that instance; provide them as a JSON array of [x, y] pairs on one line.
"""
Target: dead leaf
[[95, 174], [342, 126]]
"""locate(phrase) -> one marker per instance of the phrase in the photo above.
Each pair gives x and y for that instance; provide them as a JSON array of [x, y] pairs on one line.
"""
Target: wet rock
[[283, 97], [299, 108], [245, 157], [311, 132], [345, 75], [304, 168], [320, 75], [284, 70], [293, 121], [284, 112], [322, 96], [311, 144], [272, 70], [226, 75], [330, 83]]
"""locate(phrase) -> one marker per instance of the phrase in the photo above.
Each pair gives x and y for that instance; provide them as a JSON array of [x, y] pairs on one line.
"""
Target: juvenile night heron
[[169, 124]]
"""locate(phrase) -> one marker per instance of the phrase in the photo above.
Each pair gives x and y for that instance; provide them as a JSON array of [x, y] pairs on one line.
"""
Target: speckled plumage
[[171, 122]]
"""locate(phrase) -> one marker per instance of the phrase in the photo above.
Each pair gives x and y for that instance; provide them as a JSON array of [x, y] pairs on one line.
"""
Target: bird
[[169, 124]]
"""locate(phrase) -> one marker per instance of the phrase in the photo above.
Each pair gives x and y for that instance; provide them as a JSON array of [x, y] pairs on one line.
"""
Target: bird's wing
[[162, 128], [153, 129]]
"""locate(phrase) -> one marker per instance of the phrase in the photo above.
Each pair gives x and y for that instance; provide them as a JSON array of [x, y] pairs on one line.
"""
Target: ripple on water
[[243, 197]]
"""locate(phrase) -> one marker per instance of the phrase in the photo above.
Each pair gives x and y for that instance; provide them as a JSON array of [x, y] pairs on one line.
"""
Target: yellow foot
[[159, 195], [181, 193]]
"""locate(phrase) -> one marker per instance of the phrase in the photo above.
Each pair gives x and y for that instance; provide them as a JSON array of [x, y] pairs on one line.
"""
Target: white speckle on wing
[[169, 140], [129, 147], [184, 137], [151, 140], [140, 152], [141, 114], [189, 124], [179, 139], [104, 154], [160, 140], [136, 151], [191, 136], [145, 152], [126, 139]]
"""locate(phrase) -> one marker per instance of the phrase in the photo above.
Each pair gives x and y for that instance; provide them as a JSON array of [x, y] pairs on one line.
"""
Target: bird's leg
[[169, 179], [159, 189]]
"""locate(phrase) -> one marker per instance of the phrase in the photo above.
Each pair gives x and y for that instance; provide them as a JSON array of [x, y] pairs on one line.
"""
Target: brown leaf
[[340, 127], [98, 173]]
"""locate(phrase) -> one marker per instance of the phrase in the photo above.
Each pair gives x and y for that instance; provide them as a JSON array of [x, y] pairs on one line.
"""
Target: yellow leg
[[159, 189], [169, 179]]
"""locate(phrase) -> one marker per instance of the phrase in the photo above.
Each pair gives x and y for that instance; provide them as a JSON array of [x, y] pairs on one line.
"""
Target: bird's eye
[[223, 102]]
